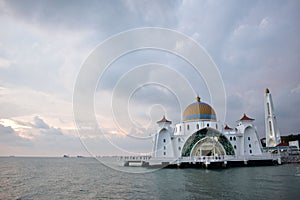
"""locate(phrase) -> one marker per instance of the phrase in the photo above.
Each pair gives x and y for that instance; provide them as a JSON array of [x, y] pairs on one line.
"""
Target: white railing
[[134, 158], [221, 158], [206, 158]]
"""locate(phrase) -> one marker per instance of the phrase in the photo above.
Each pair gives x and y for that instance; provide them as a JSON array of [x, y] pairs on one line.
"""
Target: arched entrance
[[271, 143], [208, 146], [210, 140]]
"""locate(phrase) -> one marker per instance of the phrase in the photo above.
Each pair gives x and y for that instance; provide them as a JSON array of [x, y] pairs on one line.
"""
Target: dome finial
[[198, 99], [267, 91]]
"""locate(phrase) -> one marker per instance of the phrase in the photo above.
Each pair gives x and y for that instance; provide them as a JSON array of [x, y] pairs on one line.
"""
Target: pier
[[199, 161]]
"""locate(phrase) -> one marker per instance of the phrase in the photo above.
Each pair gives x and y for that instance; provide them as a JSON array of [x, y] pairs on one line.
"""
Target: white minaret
[[272, 132]]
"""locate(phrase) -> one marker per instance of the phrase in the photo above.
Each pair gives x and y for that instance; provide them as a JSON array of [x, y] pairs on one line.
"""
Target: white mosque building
[[201, 140]]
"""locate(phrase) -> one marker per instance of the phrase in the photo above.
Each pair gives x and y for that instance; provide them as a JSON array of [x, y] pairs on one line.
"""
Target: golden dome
[[199, 111]]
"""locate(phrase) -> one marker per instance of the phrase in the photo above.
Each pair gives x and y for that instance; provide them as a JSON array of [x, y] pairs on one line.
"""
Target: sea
[[89, 178]]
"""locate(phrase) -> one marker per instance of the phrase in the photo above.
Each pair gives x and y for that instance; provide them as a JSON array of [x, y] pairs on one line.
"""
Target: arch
[[271, 143], [206, 133], [208, 146], [163, 130]]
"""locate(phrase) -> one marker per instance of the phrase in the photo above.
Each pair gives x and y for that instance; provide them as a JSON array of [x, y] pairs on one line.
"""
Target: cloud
[[6, 130], [9, 136], [39, 123], [296, 89], [52, 131], [5, 63], [43, 44], [45, 128]]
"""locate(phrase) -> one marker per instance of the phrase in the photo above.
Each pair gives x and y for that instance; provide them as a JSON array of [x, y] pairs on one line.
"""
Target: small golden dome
[[199, 111]]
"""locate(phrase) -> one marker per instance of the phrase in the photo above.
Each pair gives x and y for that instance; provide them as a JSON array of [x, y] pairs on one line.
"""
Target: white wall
[[164, 147], [252, 143]]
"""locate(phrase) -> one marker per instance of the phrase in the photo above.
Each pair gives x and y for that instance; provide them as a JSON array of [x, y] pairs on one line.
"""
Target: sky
[[44, 44]]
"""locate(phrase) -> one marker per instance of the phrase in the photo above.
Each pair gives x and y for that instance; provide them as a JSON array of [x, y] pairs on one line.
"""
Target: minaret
[[272, 132]]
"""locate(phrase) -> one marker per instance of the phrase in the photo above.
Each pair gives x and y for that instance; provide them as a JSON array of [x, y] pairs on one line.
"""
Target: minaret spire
[[272, 132]]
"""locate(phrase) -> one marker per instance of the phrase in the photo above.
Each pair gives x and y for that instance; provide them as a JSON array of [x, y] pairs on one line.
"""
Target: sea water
[[87, 178]]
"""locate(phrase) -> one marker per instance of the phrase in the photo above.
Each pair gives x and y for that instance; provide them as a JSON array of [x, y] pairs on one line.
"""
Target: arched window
[[188, 127], [234, 147], [179, 148], [250, 145], [250, 151], [164, 147], [164, 140], [270, 126], [230, 138], [268, 107], [180, 128], [197, 126], [207, 125], [179, 140], [249, 138], [234, 138]]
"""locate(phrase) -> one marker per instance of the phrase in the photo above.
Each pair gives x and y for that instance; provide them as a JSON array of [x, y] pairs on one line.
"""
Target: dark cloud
[[39, 123], [45, 128], [103, 15], [6, 130], [9, 136]]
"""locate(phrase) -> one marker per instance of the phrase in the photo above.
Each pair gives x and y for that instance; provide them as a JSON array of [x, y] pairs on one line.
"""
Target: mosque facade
[[201, 138]]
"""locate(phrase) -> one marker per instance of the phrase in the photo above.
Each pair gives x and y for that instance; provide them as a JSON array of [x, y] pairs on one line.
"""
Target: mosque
[[200, 140]]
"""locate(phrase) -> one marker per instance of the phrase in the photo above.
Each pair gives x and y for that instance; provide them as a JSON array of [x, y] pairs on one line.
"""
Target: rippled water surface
[[86, 178]]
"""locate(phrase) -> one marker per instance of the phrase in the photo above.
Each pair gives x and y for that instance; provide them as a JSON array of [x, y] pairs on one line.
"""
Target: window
[[216, 126], [164, 153], [164, 140], [270, 126], [234, 146], [180, 128], [250, 151], [234, 138], [175, 129], [207, 125], [268, 107], [249, 145], [179, 140], [188, 127], [249, 138], [197, 126], [179, 148], [164, 147], [230, 138]]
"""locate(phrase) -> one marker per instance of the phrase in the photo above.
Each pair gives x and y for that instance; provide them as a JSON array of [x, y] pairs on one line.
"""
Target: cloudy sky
[[43, 45]]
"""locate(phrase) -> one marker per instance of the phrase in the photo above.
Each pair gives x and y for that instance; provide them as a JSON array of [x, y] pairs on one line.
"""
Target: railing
[[134, 158], [257, 157], [206, 158], [221, 158]]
